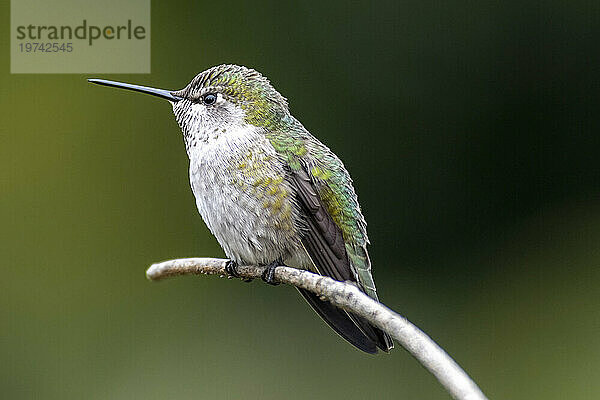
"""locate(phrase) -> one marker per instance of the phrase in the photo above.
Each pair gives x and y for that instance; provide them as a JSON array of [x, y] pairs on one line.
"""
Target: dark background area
[[469, 128]]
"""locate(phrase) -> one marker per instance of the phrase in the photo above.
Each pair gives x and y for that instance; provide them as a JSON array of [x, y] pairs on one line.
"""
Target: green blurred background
[[471, 132]]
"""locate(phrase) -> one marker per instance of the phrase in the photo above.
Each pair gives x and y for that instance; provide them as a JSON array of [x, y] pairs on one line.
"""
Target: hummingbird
[[270, 192]]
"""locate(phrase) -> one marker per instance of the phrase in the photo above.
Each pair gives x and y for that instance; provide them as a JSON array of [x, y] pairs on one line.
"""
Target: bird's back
[[333, 184], [335, 236]]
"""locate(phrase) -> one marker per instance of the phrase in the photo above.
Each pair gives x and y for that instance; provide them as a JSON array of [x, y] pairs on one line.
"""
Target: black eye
[[209, 98]]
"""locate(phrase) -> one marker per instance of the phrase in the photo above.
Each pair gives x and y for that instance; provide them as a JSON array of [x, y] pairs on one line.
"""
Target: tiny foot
[[231, 270], [268, 276]]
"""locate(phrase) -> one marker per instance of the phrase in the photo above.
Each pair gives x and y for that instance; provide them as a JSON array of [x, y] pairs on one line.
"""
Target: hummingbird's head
[[228, 96], [219, 99]]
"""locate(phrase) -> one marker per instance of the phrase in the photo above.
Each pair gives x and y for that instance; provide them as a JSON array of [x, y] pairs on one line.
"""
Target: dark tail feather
[[367, 339], [381, 339]]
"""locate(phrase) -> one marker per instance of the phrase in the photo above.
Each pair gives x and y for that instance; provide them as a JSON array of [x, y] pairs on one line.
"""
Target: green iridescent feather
[[334, 187]]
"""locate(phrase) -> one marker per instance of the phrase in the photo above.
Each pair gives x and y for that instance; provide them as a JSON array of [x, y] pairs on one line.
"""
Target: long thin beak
[[163, 94]]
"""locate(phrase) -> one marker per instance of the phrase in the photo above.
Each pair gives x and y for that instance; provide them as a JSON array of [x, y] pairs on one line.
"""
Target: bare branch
[[350, 298]]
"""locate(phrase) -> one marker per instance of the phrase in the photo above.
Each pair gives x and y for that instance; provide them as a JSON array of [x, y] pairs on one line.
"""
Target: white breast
[[238, 181]]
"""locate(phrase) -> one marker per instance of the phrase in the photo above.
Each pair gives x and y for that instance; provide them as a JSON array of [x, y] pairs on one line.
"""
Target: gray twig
[[350, 298]]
